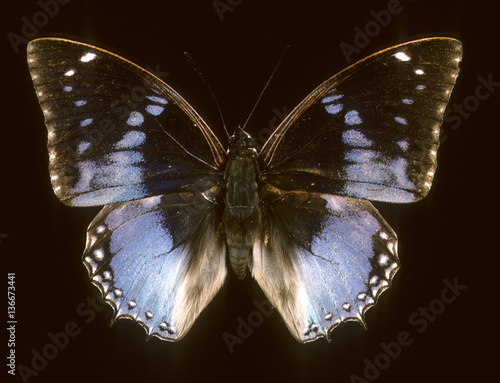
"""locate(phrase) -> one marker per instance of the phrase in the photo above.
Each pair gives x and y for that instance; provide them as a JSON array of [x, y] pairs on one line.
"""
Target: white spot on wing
[[334, 108], [401, 120], [159, 100], [352, 118], [68, 88], [99, 254], [135, 119], [88, 57], [402, 56], [383, 235], [331, 98], [80, 102], [383, 260], [403, 145], [155, 110], [131, 140], [71, 72], [82, 147], [86, 122], [419, 71], [407, 101], [355, 138]]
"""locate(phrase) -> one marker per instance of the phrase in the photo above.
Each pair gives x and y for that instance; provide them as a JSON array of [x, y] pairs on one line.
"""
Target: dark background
[[446, 236]]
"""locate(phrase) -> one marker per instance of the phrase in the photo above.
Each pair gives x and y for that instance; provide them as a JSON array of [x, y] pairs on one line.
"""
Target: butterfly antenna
[[267, 84], [193, 64]]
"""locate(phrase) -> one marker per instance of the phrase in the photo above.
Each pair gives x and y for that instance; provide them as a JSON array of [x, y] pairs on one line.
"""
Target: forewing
[[157, 260], [323, 259], [371, 131], [115, 131]]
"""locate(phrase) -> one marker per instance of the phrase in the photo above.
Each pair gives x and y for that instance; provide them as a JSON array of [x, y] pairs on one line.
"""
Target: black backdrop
[[448, 236]]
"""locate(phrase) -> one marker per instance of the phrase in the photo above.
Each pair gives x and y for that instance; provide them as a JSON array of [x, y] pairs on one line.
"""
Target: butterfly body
[[297, 215], [242, 214]]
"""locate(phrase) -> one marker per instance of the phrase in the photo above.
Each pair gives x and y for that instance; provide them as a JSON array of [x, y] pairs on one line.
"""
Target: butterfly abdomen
[[242, 215]]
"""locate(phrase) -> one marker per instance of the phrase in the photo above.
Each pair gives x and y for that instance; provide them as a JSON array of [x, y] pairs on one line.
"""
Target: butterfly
[[180, 210]]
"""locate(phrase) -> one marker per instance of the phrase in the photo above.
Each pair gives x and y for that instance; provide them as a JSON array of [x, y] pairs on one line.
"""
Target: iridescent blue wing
[[322, 259], [371, 131], [158, 260], [115, 131]]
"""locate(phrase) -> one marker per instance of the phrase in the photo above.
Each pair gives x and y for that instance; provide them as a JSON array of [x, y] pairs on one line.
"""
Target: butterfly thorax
[[242, 215]]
